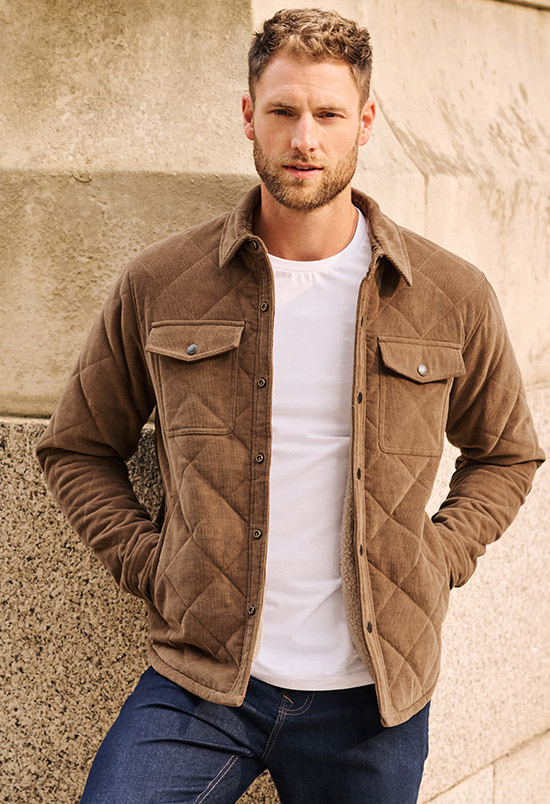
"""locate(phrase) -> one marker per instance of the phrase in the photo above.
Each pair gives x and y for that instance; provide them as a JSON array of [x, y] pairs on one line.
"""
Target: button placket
[[361, 362]]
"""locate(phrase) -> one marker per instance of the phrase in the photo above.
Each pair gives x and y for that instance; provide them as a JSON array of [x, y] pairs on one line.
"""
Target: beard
[[302, 194]]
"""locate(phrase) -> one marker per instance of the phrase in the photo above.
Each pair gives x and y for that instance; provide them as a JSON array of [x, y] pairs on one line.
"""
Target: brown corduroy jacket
[[188, 328]]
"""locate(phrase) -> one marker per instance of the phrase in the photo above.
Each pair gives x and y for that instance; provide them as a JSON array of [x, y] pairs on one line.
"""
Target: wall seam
[[526, 4], [493, 766]]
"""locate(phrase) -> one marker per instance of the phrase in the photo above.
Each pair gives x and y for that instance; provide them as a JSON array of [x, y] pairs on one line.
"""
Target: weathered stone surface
[[120, 125], [478, 789], [71, 646], [524, 775], [262, 791], [493, 693], [123, 85], [65, 240]]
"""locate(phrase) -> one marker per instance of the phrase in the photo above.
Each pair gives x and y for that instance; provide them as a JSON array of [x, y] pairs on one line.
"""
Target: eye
[[281, 112], [328, 115]]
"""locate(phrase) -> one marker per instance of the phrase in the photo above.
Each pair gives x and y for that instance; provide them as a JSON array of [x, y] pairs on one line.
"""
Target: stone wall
[[120, 124]]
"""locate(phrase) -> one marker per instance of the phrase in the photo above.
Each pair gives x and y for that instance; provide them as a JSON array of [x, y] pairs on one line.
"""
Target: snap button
[[261, 382], [264, 306], [259, 457], [422, 370], [254, 244], [192, 349], [257, 534], [252, 610]]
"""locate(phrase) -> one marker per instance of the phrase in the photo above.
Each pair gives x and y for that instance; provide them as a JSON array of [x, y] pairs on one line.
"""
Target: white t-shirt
[[306, 643]]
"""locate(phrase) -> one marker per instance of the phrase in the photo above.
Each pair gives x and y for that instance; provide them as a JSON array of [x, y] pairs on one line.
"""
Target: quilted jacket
[[188, 328]]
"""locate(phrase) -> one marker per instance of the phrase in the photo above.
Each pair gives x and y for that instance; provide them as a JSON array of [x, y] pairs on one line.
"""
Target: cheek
[[269, 137]]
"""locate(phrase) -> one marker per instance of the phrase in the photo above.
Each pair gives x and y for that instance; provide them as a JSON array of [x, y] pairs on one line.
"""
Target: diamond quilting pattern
[[204, 570], [407, 588], [214, 493]]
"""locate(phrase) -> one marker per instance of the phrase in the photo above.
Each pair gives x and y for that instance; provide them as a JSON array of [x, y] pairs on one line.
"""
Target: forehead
[[288, 77]]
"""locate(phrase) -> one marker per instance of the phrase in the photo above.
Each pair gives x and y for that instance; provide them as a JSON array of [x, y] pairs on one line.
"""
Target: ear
[[367, 121], [248, 116]]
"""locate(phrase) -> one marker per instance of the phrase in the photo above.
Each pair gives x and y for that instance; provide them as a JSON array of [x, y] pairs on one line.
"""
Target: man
[[306, 356]]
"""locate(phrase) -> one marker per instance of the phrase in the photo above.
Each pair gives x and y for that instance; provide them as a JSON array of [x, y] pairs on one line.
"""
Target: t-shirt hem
[[315, 684]]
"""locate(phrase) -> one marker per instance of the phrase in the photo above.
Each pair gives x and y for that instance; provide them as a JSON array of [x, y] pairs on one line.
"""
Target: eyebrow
[[326, 107]]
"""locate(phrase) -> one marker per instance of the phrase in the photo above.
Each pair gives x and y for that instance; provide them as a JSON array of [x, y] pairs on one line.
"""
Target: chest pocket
[[195, 365], [415, 382]]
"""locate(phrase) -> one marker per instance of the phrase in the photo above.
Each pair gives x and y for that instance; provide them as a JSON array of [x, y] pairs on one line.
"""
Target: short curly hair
[[313, 34]]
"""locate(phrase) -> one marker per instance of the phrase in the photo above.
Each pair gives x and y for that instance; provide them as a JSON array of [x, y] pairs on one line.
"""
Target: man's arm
[[95, 428], [489, 421]]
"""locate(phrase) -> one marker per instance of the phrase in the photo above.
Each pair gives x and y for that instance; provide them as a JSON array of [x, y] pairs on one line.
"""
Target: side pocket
[[434, 547], [153, 572]]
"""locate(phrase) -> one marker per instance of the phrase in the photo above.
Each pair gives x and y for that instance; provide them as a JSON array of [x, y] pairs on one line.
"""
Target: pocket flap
[[422, 361], [193, 340]]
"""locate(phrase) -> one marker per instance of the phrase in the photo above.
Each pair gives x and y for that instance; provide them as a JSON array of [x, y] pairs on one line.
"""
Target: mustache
[[299, 159]]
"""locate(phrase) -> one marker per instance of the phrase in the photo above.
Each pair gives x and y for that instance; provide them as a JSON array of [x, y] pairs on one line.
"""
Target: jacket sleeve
[[94, 429], [489, 421]]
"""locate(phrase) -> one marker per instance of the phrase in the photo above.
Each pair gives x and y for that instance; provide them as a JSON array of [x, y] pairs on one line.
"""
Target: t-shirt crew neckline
[[326, 264]]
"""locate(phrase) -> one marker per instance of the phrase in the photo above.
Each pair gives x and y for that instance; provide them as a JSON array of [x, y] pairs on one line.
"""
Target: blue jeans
[[329, 747]]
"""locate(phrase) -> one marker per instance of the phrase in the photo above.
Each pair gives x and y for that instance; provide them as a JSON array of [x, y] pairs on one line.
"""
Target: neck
[[305, 235]]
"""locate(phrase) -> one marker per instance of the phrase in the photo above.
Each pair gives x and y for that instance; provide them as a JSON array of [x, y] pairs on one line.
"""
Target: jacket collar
[[386, 236]]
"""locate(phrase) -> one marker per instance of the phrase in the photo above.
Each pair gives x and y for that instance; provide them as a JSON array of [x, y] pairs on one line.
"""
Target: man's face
[[306, 125]]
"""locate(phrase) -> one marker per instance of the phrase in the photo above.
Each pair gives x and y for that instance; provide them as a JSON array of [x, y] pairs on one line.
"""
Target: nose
[[304, 137]]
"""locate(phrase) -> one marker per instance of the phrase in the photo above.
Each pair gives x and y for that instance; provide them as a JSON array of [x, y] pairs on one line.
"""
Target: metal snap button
[[422, 370], [257, 534], [261, 382], [252, 610], [264, 306], [254, 244], [192, 349], [259, 457]]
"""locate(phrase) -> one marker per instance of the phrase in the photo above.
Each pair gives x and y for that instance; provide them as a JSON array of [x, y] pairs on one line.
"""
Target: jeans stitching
[[279, 720], [217, 779], [305, 706]]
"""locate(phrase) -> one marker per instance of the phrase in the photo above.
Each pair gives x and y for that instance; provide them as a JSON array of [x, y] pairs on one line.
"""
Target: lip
[[298, 170]]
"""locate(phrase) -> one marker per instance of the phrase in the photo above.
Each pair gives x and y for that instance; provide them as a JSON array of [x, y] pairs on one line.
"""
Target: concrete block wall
[[120, 124]]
